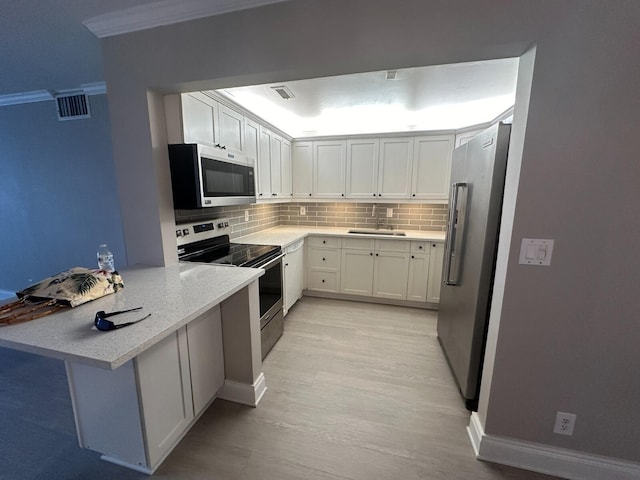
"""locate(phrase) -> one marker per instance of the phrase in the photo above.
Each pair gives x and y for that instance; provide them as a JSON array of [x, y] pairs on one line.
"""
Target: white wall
[[567, 334]]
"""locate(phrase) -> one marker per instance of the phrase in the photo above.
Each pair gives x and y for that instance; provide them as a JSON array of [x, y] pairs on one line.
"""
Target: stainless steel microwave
[[203, 176]]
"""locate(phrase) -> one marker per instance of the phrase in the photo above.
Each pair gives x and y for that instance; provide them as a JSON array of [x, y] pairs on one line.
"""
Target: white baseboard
[[540, 458], [243, 393]]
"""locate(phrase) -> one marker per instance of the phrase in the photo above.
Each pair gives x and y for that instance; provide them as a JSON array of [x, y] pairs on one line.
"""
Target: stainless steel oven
[[271, 317], [208, 242]]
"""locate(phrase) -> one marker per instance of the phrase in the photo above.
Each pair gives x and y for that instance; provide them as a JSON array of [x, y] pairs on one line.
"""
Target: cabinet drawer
[[420, 247], [358, 243], [323, 258], [327, 242], [323, 281], [393, 246]]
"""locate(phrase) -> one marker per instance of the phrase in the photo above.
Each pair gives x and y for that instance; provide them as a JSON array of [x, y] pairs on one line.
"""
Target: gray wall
[[58, 197], [566, 337]]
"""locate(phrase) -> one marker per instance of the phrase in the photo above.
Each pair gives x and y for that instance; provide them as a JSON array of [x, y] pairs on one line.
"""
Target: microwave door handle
[[455, 233]]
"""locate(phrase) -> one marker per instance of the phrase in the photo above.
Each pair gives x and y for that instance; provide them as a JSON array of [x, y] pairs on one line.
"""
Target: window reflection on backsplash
[[406, 216]]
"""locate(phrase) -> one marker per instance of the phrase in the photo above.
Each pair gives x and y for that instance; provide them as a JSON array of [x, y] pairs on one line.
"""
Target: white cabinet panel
[[302, 169], [165, 393], [230, 129], [264, 164], [395, 167], [357, 272], [390, 275], [362, 168], [206, 358], [293, 274], [324, 281], [329, 159], [286, 169], [432, 167], [276, 165], [435, 272], [418, 277], [199, 116], [252, 133]]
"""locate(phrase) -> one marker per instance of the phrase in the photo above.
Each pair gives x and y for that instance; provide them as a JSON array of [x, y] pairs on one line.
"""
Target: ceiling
[[48, 45], [44, 44], [438, 97]]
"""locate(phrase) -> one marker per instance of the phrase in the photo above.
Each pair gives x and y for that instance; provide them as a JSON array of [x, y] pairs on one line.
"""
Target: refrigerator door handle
[[455, 232]]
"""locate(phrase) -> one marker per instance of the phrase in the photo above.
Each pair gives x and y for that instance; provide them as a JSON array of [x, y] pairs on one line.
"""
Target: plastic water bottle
[[105, 258]]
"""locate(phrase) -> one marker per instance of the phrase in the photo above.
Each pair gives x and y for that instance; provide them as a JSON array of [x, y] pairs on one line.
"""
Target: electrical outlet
[[246, 215], [564, 423], [389, 212], [303, 210]]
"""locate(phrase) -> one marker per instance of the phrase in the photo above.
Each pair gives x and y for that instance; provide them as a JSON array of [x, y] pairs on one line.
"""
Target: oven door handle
[[271, 262]]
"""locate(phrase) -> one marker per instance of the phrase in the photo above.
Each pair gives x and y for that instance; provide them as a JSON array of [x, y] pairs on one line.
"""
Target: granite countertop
[[287, 235], [173, 295]]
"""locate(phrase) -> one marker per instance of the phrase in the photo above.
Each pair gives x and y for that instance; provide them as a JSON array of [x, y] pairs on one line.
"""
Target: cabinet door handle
[[413, 195], [309, 194], [412, 256], [371, 254], [420, 247], [322, 280], [323, 259], [376, 254]]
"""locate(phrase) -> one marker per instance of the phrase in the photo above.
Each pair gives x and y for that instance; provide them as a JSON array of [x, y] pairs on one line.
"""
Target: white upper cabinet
[[362, 168], [286, 169], [264, 164], [251, 139], [329, 160], [395, 168], [230, 129], [463, 138], [302, 169], [432, 167], [276, 165], [200, 118]]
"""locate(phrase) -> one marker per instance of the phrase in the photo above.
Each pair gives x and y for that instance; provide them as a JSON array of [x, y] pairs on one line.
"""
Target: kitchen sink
[[375, 231]]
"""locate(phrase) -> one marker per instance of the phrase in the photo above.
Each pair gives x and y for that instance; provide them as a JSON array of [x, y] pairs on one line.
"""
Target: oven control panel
[[193, 232]]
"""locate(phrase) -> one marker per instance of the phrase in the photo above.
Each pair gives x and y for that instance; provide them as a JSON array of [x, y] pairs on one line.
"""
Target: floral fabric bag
[[69, 288]]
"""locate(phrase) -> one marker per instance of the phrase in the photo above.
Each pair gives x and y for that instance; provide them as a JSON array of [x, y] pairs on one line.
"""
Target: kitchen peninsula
[[136, 391]]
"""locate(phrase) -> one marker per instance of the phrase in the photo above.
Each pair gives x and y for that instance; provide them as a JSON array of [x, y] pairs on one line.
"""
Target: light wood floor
[[355, 391]]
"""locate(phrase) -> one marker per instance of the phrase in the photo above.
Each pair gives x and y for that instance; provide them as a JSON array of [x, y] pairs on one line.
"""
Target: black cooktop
[[220, 251]]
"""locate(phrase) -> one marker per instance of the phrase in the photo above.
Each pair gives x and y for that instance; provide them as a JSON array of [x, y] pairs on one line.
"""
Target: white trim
[[165, 12], [132, 466], [96, 88], [243, 392], [540, 458]]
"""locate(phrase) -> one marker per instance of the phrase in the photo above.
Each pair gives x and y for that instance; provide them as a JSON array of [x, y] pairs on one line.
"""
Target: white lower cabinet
[[435, 271], [357, 272], [158, 395], [293, 274], [206, 358], [390, 275], [323, 264], [390, 269], [418, 271]]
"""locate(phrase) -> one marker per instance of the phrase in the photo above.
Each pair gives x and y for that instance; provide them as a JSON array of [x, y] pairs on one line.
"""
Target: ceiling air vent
[[283, 91], [72, 106], [391, 74]]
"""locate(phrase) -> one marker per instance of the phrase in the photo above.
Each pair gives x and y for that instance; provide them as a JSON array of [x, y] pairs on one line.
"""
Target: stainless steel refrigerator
[[475, 207]]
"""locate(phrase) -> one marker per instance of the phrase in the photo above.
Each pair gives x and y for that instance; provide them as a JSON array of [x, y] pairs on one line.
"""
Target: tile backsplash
[[405, 216], [261, 217]]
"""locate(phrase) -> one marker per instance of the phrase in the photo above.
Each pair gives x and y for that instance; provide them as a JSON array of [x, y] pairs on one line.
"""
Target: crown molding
[[97, 88], [165, 12]]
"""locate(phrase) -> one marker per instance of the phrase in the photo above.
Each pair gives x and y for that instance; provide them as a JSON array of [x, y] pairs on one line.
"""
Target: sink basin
[[374, 231]]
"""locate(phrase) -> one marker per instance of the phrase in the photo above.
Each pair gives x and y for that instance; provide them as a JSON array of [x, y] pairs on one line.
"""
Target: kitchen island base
[[136, 414]]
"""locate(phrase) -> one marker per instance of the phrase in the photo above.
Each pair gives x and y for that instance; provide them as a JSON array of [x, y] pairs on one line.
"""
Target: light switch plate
[[536, 251]]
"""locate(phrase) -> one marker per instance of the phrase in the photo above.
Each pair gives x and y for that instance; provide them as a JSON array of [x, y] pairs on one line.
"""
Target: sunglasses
[[102, 324]]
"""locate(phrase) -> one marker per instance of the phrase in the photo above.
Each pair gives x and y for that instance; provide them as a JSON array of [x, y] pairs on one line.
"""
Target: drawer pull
[[324, 259], [371, 254], [322, 281]]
